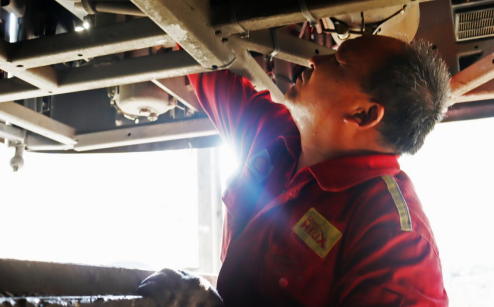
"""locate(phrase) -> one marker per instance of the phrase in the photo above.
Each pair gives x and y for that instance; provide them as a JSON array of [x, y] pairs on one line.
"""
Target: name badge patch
[[319, 234]]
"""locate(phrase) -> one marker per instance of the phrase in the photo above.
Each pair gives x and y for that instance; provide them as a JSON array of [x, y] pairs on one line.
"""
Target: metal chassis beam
[[176, 87], [187, 23], [291, 48], [141, 33], [120, 37], [134, 70], [33, 121], [278, 13], [29, 60], [31, 140], [483, 92], [145, 134], [11, 133], [473, 76]]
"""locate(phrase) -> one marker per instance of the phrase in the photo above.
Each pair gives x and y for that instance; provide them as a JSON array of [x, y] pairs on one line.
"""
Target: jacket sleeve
[[237, 110]]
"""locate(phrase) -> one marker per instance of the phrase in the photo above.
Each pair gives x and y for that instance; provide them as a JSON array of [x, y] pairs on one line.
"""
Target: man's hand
[[179, 288]]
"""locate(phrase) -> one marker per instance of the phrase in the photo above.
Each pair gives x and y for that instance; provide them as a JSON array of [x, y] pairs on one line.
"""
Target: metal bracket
[[276, 44], [233, 18], [305, 11]]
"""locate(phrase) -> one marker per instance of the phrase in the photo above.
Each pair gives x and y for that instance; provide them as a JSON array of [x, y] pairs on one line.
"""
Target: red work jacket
[[345, 232]]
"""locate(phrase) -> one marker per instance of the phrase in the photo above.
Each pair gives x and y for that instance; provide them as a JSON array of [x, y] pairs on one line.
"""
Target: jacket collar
[[339, 174]]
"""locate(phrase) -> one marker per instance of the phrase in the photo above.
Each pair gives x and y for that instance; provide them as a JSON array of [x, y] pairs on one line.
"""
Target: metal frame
[[208, 36], [205, 43], [145, 134], [71, 284], [33, 121], [477, 74]]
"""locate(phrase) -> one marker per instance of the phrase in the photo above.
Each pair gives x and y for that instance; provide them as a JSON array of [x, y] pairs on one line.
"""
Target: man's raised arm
[[237, 110]]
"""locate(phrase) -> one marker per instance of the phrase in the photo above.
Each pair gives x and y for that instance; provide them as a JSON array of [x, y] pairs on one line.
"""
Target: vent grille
[[474, 24]]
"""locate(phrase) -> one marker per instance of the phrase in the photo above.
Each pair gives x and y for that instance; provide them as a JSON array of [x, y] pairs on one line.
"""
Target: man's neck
[[312, 156]]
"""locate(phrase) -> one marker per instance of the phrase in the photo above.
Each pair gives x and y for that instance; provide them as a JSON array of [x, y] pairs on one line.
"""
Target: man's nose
[[316, 60]]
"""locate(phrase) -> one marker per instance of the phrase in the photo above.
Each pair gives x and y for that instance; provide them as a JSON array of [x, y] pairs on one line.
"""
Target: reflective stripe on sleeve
[[401, 205]]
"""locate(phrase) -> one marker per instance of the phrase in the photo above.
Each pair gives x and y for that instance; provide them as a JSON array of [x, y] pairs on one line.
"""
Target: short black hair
[[413, 87]]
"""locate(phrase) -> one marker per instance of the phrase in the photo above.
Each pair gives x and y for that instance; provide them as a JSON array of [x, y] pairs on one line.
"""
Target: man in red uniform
[[319, 213]]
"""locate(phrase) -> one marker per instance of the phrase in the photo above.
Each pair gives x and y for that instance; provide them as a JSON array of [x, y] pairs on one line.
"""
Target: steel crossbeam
[[187, 23], [202, 32], [261, 14], [98, 41], [134, 70], [30, 120], [473, 78], [210, 39]]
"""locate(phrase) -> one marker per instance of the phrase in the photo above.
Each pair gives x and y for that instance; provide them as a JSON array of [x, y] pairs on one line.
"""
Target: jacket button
[[283, 282]]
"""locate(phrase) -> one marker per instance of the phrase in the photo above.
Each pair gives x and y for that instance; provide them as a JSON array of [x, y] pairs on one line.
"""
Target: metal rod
[[141, 69], [44, 78], [124, 8], [470, 110], [176, 87], [145, 134], [134, 70], [11, 133], [30, 120], [98, 41], [246, 66], [292, 49]]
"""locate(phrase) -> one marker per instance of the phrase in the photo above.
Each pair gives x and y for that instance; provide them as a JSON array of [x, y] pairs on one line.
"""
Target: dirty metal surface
[[32, 283], [36, 279], [187, 23]]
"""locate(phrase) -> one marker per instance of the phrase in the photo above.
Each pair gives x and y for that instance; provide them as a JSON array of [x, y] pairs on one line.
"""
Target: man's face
[[328, 91]]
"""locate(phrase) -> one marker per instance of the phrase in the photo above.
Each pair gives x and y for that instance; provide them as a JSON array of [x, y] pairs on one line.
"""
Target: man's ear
[[366, 117]]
